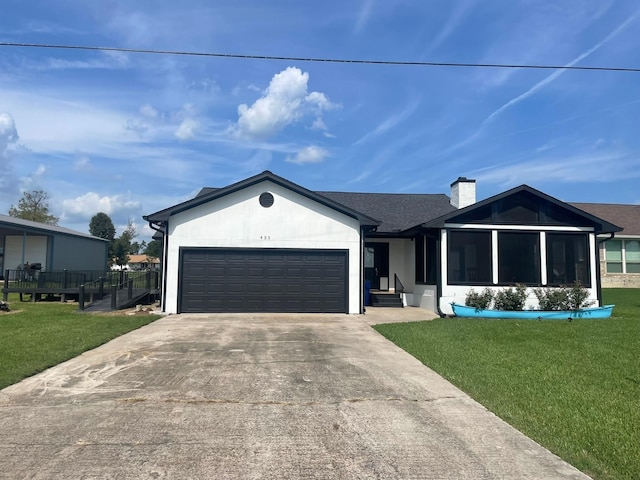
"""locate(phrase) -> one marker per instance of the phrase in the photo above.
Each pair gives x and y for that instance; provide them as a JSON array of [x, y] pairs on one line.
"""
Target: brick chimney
[[463, 192]]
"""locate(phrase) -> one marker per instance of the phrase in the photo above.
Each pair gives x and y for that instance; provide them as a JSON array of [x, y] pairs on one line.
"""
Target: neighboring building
[[140, 262], [620, 256], [266, 244], [49, 247]]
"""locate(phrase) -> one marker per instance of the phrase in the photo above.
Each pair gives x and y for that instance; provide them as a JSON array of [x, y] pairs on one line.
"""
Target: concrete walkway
[[256, 396]]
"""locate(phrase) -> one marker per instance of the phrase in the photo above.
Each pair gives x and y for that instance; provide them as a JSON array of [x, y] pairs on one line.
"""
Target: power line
[[320, 60]]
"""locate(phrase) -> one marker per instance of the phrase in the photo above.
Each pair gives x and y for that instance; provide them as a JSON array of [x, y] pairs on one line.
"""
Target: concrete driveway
[[256, 396]]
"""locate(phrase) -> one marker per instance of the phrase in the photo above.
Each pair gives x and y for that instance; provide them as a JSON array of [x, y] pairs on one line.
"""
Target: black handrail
[[397, 284]]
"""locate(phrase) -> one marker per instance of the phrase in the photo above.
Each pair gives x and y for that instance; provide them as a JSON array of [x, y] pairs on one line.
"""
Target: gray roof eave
[[19, 223]]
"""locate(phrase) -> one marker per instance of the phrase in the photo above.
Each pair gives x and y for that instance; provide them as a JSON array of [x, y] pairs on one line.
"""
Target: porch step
[[386, 300]]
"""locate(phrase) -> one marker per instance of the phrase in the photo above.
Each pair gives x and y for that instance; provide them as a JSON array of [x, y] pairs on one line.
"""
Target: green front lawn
[[574, 387], [44, 334]]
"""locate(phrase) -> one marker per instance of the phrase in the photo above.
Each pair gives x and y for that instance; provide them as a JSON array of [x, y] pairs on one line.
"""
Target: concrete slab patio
[[256, 396]]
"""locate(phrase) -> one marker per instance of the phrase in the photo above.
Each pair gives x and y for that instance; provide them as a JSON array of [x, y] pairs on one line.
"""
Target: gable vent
[[266, 199]]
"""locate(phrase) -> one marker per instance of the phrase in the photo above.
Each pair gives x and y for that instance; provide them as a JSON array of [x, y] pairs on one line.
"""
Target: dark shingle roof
[[396, 211], [625, 216]]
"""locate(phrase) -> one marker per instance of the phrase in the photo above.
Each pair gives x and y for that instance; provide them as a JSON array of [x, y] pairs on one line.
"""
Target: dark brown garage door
[[244, 280]]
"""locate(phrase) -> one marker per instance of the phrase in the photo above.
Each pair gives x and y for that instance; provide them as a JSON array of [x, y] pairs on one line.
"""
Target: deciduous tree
[[34, 206], [122, 245], [154, 249], [101, 226]]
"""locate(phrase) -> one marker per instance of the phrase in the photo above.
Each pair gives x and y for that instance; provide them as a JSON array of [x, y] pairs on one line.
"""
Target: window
[[614, 256], [632, 256], [426, 260], [420, 261], [519, 258], [469, 257], [432, 261], [568, 259], [622, 256]]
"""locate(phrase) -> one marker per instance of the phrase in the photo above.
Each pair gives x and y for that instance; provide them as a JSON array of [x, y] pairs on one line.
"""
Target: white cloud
[[8, 132], [83, 162], [541, 84], [391, 121], [148, 111], [459, 11], [187, 128], [363, 15], [284, 102], [41, 170], [582, 168], [87, 205], [311, 154], [8, 146]]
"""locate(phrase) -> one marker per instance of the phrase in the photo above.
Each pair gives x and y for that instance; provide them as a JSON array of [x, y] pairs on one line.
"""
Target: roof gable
[[210, 194], [525, 205]]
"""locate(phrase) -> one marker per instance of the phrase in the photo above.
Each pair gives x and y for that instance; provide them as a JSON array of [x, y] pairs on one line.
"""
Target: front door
[[376, 265]]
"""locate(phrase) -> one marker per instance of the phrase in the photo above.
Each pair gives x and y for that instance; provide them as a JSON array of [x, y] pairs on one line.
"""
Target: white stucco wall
[[238, 220]]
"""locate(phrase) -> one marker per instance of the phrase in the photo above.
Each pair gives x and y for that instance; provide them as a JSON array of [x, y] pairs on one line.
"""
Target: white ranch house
[[266, 244]]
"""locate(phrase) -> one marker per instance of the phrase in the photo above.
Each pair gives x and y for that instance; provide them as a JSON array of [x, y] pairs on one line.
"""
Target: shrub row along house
[[266, 244]]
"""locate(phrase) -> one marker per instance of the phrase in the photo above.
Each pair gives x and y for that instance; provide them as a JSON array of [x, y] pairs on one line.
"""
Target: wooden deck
[[94, 291]]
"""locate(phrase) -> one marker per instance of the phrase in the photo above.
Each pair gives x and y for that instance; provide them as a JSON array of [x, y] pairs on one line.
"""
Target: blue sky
[[129, 134]]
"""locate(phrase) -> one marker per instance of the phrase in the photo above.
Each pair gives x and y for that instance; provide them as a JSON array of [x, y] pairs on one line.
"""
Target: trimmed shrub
[[577, 297], [551, 298], [563, 298], [481, 300], [510, 299]]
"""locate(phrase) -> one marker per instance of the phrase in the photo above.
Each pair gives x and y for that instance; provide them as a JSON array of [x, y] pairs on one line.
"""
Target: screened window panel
[[469, 257], [420, 260], [432, 261], [518, 209], [568, 259], [519, 258]]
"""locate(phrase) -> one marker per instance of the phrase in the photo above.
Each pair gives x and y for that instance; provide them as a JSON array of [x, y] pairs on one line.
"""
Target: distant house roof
[[626, 216], [143, 259], [42, 228]]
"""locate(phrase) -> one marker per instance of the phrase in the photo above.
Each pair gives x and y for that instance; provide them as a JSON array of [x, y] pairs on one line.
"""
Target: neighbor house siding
[[78, 253], [238, 220], [617, 279], [35, 250]]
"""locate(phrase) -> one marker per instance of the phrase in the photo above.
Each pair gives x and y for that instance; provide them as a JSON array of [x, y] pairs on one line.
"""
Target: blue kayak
[[595, 312]]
